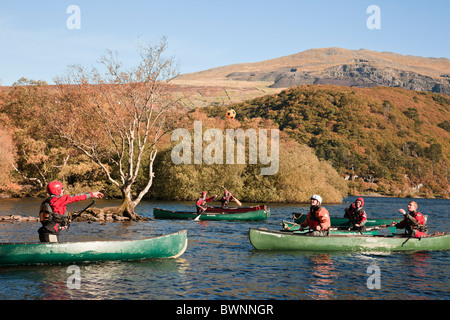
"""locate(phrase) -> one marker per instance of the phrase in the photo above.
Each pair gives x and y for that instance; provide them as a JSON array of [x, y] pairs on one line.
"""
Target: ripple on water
[[220, 263]]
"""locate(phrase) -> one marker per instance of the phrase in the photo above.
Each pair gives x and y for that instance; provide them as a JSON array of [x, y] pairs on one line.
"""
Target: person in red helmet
[[52, 213], [414, 222], [225, 200], [201, 203], [357, 215]]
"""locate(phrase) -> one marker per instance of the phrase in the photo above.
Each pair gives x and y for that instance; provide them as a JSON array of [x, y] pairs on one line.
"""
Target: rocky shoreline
[[85, 217], [18, 218]]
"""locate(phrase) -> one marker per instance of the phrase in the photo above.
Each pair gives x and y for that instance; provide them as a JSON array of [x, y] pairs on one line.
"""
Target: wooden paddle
[[236, 200]]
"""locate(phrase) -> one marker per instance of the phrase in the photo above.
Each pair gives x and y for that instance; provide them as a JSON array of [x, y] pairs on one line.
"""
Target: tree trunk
[[126, 209]]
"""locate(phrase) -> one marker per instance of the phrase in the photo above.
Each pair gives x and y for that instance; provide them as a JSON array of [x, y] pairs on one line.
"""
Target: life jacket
[[225, 201], [201, 203], [313, 220], [410, 225], [45, 211], [46, 214], [357, 216]]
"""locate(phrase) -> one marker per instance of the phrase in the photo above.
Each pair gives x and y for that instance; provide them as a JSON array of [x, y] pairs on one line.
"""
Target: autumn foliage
[[300, 173], [387, 141], [383, 140]]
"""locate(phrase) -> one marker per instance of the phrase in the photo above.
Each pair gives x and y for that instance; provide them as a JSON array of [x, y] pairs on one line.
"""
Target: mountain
[[353, 68]]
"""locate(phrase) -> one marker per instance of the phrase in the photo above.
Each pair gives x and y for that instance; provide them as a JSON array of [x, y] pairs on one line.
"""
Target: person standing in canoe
[[52, 213], [414, 222], [318, 218], [201, 203], [357, 215]]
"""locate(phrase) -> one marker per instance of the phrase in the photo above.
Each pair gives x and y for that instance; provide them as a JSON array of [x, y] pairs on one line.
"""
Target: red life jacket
[[313, 220], [358, 216], [200, 202], [225, 201], [317, 216], [409, 225]]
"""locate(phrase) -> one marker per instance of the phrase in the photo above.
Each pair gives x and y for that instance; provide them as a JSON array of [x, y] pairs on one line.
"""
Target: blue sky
[[36, 43]]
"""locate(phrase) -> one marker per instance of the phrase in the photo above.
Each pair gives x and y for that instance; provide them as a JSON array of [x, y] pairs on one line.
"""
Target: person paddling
[[357, 215], [225, 200], [52, 213], [414, 222], [318, 218], [201, 203]]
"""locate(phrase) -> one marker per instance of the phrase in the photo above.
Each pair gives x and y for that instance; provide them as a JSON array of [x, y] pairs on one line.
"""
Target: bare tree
[[116, 117]]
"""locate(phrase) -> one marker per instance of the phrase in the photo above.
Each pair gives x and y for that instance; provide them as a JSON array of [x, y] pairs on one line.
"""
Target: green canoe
[[344, 222], [293, 227], [237, 215], [235, 209], [281, 240], [166, 246]]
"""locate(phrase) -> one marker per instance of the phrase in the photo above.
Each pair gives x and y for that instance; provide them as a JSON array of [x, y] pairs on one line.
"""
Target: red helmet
[[55, 188], [361, 200], [203, 194]]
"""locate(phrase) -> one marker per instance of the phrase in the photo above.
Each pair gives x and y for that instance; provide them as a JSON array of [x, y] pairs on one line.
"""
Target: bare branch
[[117, 116]]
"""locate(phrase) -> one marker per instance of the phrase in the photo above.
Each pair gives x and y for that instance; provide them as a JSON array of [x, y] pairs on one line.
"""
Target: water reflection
[[323, 274], [114, 280], [420, 262]]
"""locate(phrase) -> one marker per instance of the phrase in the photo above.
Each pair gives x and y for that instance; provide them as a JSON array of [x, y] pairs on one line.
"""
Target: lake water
[[221, 264]]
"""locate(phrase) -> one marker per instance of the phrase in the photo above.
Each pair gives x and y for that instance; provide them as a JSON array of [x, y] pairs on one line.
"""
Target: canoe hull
[[255, 215], [343, 222], [166, 246], [292, 227], [235, 209], [281, 240]]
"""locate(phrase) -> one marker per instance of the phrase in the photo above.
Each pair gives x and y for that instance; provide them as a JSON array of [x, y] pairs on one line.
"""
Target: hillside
[[38, 154], [354, 68], [384, 140]]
